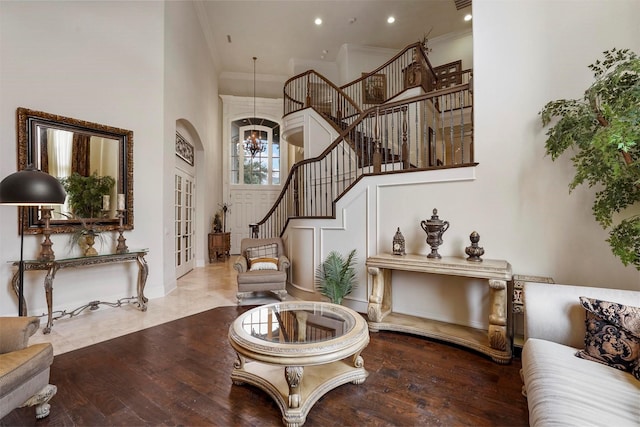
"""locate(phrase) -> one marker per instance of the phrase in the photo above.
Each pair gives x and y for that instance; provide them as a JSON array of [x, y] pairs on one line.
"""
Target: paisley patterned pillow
[[613, 335], [623, 316]]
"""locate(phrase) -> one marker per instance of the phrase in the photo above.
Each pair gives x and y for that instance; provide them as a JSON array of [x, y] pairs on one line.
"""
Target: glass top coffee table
[[297, 351]]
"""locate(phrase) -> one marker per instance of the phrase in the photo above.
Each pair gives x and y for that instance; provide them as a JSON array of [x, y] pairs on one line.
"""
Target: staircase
[[397, 118]]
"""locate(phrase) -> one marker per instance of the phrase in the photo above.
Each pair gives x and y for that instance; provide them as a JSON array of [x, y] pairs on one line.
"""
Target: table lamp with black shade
[[29, 187]]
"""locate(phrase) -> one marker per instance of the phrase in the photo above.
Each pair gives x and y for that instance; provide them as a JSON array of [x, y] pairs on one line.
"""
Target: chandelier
[[253, 144]]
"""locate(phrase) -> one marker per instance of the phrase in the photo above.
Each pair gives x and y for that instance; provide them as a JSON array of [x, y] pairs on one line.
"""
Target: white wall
[[191, 97], [452, 47], [326, 68], [79, 59], [142, 70], [525, 54], [353, 60]]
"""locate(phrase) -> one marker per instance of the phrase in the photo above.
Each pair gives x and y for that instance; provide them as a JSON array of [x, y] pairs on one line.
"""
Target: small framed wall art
[[184, 149], [374, 89]]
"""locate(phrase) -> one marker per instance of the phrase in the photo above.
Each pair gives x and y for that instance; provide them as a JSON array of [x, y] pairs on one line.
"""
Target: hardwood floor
[[177, 373]]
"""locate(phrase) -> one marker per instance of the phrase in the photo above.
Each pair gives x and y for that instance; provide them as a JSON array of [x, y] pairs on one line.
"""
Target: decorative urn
[[435, 228]]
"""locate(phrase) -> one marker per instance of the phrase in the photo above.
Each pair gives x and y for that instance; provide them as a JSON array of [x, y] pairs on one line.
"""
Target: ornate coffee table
[[298, 351]]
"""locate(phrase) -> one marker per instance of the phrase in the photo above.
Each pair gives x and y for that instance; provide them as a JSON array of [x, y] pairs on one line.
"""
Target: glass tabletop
[[297, 322]]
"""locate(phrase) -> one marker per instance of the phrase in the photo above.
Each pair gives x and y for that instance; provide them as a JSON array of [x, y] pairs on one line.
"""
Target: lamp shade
[[31, 187]]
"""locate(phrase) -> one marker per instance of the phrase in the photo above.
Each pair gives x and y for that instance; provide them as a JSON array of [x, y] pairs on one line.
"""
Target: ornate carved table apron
[[298, 351]]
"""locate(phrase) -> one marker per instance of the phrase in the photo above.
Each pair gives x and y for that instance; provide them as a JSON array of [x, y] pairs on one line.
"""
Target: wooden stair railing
[[340, 106], [313, 90], [424, 132], [409, 68]]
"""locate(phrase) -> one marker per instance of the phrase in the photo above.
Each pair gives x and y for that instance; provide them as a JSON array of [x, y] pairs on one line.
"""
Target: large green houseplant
[[336, 276], [85, 193], [603, 132]]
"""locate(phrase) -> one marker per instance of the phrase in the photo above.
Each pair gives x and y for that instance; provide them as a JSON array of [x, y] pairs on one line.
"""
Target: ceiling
[[277, 31]]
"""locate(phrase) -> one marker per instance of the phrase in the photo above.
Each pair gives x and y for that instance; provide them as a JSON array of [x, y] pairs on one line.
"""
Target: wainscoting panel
[[367, 218], [302, 259]]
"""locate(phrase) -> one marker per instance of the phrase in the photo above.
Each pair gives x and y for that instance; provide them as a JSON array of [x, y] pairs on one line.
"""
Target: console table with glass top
[[51, 267]]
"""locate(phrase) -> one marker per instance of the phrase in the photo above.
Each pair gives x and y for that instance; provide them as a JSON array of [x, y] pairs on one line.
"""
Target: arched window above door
[[260, 166]]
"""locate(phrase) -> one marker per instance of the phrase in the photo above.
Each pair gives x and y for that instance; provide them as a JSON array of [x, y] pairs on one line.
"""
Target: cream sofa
[[562, 389]]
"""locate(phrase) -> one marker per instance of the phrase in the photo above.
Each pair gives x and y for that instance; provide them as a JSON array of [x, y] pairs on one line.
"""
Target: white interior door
[[248, 205], [183, 222]]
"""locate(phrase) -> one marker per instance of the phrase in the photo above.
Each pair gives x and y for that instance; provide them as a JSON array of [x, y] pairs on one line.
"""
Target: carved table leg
[[142, 281], [293, 375], [238, 365], [498, 338], [48, 290], [15, 284], [358, 362], [380, 298]]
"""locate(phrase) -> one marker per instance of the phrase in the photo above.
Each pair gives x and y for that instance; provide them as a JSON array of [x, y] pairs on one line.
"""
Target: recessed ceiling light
[[318, 21], [467, 17], [391, 20]]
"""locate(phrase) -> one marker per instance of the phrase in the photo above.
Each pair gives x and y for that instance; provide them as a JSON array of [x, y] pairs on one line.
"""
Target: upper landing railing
[[377, 133], [409, 68]]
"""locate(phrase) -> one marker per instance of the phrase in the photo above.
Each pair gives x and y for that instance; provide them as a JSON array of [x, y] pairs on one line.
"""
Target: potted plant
[[603, 132], [217, 223], [85, 193], [336, 276], [85, 235]]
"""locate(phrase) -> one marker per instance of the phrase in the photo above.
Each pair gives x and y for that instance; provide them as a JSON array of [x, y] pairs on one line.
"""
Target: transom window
[[262, 167]]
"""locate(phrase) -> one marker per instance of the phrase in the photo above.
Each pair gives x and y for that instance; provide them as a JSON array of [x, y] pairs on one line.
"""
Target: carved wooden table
[[51, 267], [219, 245], [496, 342], [298, 351]]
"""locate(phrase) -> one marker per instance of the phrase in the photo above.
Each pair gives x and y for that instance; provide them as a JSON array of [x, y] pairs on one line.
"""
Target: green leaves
[[336, 276], [603, 130], [255, 172], [85, 193], [625, 241]]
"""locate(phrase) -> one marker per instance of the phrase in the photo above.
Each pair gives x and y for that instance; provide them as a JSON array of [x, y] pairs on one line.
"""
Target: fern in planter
[[85, 193], [336, 276], [603, 131], [85, 235]]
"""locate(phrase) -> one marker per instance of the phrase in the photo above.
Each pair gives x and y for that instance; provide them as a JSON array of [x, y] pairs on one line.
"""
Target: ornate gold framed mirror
[[62, 147]]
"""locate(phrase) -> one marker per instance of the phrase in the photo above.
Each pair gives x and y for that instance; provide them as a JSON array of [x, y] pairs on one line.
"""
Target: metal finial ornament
[[474, 251]]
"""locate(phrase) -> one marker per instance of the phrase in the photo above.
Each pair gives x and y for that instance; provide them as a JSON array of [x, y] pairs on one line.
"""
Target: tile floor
[[202, 289]]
